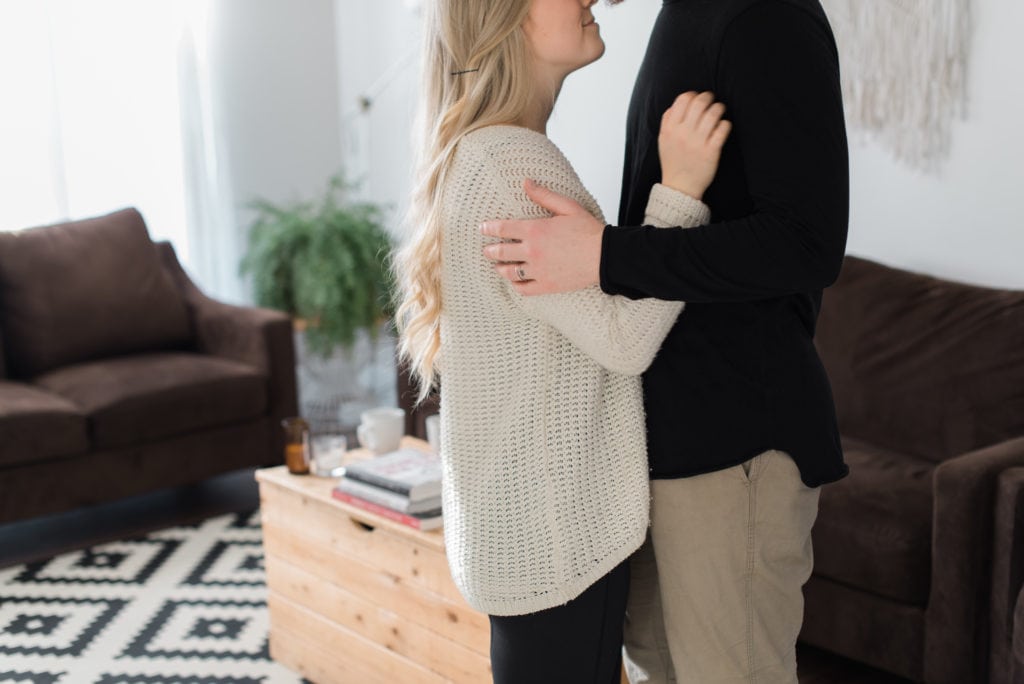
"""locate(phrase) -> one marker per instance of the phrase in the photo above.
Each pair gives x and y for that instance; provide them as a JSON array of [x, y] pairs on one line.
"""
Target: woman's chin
[[591, 55], [597, 54]]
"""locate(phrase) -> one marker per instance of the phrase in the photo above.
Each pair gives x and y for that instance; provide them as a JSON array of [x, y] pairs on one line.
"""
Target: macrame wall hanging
[[904, 68]]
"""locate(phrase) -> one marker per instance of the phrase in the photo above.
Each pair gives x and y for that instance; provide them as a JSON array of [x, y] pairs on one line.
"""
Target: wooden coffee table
[[356, 598]]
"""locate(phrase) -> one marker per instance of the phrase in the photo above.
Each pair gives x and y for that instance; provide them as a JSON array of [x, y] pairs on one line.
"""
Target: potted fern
[[324, 262]]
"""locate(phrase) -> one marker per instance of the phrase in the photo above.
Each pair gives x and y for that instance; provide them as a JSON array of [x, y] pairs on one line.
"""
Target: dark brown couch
[[415, 414], [1007, 611], [119, 376], [928, 377]]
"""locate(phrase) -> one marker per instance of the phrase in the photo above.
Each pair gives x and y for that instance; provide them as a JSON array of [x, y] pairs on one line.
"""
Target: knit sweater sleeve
[[620, 334]]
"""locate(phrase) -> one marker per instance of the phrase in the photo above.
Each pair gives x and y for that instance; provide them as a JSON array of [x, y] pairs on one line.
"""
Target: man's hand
[[545, 256]]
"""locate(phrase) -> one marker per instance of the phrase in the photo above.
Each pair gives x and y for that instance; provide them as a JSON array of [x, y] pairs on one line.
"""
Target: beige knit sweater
[[544, 451]]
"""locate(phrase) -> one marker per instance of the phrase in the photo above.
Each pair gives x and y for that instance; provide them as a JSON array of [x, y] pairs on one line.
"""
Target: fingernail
[[482, 227], [529, 182]]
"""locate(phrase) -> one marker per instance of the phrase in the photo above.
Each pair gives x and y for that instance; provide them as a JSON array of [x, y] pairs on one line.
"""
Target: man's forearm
[[756, 257]]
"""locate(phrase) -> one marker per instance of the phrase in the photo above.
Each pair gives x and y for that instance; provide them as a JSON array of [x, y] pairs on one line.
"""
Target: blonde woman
[[544, 452]]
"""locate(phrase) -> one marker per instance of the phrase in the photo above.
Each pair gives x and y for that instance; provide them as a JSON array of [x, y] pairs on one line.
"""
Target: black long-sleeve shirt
[[739, 374]]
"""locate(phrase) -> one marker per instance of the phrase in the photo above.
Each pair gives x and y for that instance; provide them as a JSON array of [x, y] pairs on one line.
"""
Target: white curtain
[[210, 200], [105, 104]]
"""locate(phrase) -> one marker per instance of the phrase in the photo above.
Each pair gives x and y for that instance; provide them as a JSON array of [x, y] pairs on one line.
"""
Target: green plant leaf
[[324, 261]]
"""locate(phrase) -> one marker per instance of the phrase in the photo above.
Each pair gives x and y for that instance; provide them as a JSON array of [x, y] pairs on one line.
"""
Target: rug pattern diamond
[[184, 605]]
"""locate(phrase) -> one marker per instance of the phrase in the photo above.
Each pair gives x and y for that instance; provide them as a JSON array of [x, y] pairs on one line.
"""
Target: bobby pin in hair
[[465, 71]]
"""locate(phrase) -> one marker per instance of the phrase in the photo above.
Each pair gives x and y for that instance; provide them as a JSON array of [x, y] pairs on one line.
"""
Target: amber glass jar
[[296, 445]]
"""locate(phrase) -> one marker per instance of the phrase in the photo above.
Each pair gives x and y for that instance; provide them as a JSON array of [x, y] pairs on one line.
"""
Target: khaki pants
[[716, 591]]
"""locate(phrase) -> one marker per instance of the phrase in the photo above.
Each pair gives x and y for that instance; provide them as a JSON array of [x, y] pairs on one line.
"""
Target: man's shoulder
[[780, 10], [717, 18]]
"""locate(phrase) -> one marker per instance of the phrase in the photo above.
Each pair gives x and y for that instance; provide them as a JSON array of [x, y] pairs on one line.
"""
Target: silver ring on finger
[[520, 273]]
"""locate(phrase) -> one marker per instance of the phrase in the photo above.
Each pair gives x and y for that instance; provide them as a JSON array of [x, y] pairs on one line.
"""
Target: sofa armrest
[[261, 338], [956, 634], [1007, 576]]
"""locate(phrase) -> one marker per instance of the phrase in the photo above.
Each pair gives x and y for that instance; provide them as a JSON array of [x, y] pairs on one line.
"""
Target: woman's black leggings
[[578, 643]]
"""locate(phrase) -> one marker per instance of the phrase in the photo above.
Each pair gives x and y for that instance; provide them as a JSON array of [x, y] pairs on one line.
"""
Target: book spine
[[378, 481], [377, 509], [384, 497]]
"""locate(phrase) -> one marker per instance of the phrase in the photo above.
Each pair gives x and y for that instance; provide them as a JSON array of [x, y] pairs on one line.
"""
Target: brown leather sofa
[[928, 378], [119, 376]]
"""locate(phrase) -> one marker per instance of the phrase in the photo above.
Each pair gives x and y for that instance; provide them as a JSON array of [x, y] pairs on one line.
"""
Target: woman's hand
[[690, 142]]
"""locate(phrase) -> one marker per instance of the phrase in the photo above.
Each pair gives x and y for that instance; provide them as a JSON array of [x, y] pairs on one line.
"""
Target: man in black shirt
[[741, 424]]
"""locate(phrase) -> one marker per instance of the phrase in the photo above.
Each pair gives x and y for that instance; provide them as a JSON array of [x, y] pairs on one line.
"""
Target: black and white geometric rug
[[184, 605]]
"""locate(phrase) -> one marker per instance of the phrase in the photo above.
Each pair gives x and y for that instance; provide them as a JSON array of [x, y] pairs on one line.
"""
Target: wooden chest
[[355, 598]]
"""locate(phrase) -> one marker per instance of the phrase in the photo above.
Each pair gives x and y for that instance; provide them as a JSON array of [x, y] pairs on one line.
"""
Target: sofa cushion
[[36, 425], [874, 527], [136, 399], [85, 290], [921, 365]]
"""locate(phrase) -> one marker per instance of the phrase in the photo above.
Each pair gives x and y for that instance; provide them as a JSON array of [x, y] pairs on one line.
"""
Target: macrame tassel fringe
[[904, 69]]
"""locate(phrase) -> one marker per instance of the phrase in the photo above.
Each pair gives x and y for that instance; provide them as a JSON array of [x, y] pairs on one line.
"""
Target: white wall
[[966, 222], [378, 56], [274, 83]]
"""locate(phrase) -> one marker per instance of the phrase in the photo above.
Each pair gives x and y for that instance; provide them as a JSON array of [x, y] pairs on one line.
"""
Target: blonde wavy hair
[[484, 40]]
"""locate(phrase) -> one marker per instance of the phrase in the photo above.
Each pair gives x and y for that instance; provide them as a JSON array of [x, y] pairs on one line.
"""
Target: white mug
[[381, 429], [434, 432]]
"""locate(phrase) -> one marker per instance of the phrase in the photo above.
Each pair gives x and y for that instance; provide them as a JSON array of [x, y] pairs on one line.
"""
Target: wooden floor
[[43, 537]]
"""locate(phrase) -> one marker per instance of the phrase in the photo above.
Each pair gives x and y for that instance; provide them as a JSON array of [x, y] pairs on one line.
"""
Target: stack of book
[[403, 485]]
